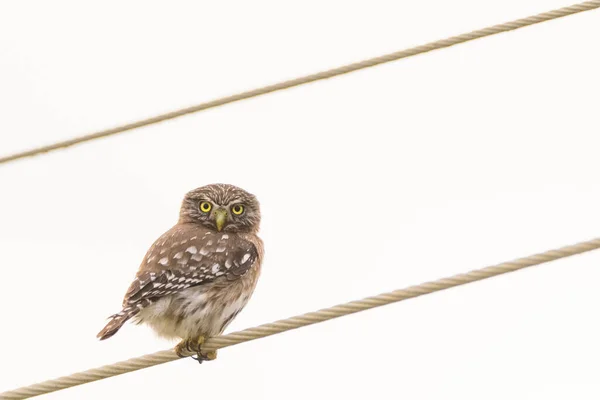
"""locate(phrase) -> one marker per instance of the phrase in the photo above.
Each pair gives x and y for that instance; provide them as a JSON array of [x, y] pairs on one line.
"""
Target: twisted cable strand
[[299, 321], [492, 30]]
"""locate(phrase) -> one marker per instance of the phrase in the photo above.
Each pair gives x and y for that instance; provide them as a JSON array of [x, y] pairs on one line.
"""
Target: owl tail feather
[[117, 321]]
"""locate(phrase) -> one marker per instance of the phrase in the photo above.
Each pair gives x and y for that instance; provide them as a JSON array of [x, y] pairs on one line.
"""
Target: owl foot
[[187, 346], [208, 356]]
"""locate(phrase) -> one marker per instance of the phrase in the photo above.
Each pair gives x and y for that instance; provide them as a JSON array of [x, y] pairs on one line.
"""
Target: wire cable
[[492, 30], [149, 360]]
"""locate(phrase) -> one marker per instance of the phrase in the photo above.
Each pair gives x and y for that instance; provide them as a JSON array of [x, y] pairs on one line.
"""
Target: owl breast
[[204, 310]]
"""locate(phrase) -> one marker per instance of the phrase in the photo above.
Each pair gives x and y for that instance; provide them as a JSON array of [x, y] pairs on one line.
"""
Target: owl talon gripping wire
[[209, 356], [194, 346]]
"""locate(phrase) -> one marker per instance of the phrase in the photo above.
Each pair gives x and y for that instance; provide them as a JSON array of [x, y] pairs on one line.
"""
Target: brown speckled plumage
[[195, 279]]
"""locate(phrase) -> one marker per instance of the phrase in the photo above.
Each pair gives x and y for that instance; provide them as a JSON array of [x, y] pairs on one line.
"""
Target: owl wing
[[189, 263], [180, 259]]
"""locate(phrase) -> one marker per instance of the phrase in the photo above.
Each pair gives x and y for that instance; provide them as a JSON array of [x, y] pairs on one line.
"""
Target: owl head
[[221, 207]]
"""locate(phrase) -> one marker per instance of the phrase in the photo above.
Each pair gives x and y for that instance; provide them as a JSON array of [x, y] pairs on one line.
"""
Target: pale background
[[374, 181]]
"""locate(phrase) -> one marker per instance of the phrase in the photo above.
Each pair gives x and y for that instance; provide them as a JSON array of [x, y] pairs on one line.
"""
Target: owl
[[200, 274]]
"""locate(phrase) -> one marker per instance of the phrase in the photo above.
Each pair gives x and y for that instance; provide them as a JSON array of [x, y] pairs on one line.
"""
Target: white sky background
[[370, 182]]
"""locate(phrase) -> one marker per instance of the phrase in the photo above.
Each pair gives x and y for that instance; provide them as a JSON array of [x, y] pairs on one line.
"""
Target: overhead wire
[[371, 62], [299, 321]]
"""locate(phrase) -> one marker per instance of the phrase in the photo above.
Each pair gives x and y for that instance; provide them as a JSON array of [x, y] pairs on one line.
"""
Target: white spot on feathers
[[192, 250]]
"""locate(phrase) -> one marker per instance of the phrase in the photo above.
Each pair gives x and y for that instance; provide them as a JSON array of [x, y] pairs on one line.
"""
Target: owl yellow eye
[[205, 206], [237, 209]]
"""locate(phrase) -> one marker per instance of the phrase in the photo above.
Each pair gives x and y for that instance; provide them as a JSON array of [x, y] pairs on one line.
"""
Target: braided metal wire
[[299, 321], [492, 30]]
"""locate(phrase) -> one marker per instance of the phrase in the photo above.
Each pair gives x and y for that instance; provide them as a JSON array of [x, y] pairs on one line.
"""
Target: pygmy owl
[[198, 275]]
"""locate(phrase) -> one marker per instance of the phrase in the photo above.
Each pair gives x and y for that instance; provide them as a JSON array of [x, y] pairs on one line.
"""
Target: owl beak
[[220, 218]]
